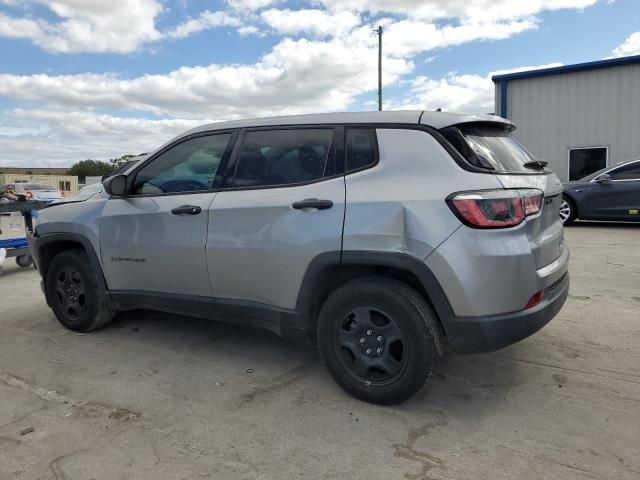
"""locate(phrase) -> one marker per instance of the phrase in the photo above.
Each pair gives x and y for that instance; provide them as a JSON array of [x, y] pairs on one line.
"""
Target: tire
[[568, 212], [73, 293], [24, 261], [379, 339]]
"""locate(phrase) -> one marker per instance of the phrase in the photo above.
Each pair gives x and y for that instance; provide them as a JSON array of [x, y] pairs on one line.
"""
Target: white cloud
[[250, 30], [631, 46], [204, 21], [476, 10], [296, 76], [57, 138], [456, 92], [315, 22], [88, 25]]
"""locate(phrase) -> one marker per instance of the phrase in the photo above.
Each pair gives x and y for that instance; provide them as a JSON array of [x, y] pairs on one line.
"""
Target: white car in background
[[33, 191]]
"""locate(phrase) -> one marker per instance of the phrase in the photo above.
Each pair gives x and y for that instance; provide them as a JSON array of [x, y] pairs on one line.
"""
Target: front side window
[[361, 148], [585, 161], [284, 157], [190, 166], [628, 172]]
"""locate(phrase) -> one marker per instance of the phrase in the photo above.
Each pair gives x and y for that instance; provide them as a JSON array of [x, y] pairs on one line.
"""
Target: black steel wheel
[[379, 339], [70, 295], [73, 294], [371, 345]]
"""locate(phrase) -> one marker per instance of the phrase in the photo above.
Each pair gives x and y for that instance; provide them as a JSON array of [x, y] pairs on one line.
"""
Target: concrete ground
[[156, 396]]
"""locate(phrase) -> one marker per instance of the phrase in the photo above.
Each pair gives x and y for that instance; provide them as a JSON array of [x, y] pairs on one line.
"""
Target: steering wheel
[[175, 186]]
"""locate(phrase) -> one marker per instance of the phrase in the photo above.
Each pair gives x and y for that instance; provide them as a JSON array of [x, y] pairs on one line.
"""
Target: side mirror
[[604, 178], [116, 185]]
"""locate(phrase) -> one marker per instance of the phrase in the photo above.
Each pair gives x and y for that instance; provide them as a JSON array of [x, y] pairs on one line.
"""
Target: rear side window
[[284, 157], [628, 172], [491, 147], [361, 148]]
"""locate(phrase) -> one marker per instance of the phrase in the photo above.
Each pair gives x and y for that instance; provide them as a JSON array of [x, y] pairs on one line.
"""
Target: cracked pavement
[[156, 396]]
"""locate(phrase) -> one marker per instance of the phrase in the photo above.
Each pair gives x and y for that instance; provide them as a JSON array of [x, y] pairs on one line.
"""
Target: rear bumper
[[490, 333]]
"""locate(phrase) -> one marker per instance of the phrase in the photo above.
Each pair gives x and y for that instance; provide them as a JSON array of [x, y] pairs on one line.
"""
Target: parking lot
[[157, 396]]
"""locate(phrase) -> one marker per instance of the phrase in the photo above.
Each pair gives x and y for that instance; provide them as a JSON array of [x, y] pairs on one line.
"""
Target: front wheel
[[73, 293], [567, 210], [379, 339]]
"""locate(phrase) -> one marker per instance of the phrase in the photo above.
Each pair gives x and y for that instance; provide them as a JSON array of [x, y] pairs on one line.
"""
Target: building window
[[64, 186], [585, 161]]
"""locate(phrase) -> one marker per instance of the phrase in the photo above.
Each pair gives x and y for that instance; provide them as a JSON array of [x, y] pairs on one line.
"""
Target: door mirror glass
[[116, 185], [604, 178]]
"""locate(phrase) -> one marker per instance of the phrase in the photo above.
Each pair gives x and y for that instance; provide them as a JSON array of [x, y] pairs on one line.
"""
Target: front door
[[617, 198], [284, 208], [153, 239]]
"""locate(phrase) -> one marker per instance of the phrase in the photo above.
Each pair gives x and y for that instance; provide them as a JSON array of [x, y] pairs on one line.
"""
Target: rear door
[[283, 206], [618, 198], [153, 240]]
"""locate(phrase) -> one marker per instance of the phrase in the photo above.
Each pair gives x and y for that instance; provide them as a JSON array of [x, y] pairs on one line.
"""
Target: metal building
[[580, 118]]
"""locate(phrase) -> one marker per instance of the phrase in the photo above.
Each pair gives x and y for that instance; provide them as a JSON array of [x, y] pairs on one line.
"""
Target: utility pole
[[379, 32]]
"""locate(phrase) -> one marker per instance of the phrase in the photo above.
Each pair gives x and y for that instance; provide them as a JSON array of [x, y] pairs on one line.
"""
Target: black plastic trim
[[239, 312], [37, 243], [491, 333], [418, 268]]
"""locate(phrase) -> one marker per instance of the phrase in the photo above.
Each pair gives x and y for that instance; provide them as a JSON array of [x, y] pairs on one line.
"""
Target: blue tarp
[[13, 243]]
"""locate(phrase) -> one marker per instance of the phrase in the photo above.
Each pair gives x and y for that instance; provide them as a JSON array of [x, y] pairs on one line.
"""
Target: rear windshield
[[491, 147], [34, 186]]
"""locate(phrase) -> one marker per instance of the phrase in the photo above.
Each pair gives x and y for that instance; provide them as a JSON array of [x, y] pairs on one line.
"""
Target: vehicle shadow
[[604, 224], [462, 386]]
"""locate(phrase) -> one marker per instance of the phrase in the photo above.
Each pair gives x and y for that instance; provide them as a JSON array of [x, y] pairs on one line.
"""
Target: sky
[[103, 78]]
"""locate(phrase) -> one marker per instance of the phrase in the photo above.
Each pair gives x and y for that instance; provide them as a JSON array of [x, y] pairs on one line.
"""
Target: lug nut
[[380, 338], [368, 351], [379, 350], [369, 332], [362, 340]]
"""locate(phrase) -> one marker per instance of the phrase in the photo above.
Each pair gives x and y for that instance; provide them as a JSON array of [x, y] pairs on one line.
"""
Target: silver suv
[[384, 236]]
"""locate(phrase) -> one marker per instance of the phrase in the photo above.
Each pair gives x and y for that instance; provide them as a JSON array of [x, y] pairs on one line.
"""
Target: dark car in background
[[612, 193]]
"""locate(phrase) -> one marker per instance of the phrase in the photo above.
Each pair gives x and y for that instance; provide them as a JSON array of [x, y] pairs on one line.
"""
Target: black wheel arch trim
[[395, 260], [39, 242]]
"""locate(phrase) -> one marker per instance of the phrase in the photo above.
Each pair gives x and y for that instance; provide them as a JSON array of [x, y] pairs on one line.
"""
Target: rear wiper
[[539, 164]]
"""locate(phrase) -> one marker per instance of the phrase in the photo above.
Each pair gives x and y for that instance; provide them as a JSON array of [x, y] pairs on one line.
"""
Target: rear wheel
[[379, 339], [567, 210], [73, 293]]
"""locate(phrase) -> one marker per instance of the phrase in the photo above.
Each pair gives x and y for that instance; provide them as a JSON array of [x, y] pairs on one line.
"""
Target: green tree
[[89, 168], [118, 162]]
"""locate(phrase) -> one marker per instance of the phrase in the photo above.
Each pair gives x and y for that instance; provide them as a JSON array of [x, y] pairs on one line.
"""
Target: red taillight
[[62, 193], [535, 300], [28, 194], [495, 208]]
